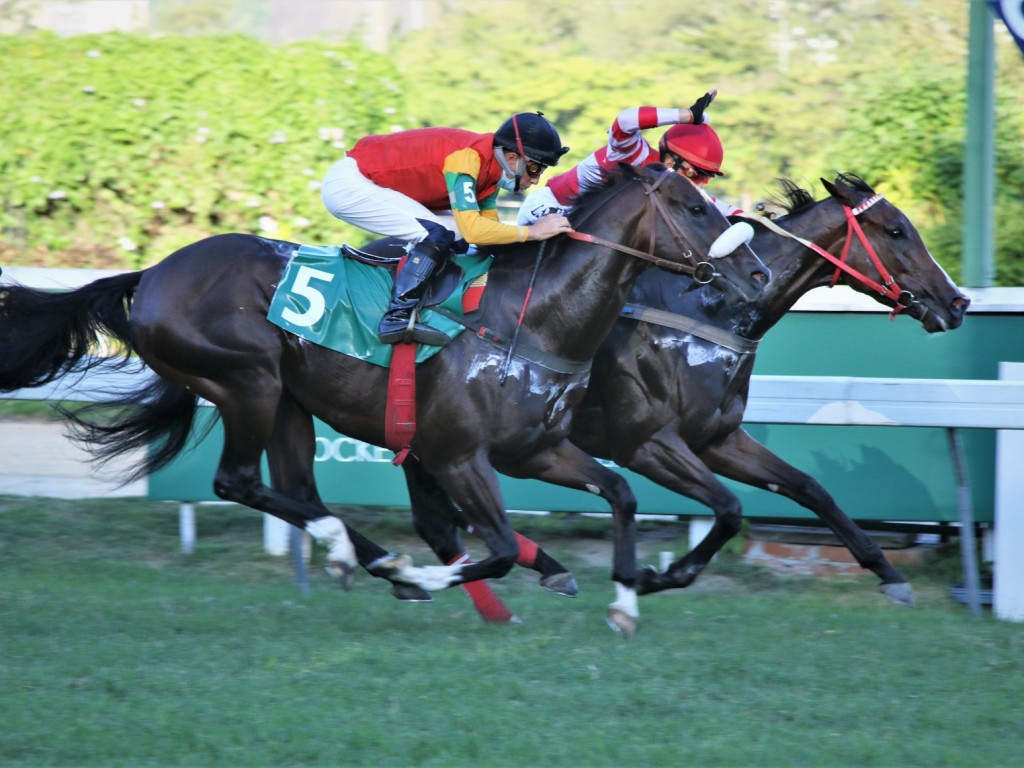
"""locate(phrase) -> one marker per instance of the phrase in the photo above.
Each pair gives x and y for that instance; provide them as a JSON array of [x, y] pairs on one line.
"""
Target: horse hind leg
[[249, 425], [290, 461]]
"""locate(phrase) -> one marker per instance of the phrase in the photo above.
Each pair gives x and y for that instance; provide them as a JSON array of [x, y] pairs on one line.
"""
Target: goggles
[[533, 168], [683, 165]]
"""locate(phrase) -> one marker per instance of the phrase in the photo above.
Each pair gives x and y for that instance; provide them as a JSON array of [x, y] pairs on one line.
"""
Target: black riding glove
[[697, 110]]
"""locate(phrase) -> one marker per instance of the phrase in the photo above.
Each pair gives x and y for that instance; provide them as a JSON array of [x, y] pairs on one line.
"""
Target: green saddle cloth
[[338, 302]]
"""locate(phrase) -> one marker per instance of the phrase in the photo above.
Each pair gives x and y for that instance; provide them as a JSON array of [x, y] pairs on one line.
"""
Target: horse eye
[[698, 210], [895, 233]]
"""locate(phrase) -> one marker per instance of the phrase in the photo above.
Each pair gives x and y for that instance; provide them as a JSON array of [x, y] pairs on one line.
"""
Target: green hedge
[[118, 149]]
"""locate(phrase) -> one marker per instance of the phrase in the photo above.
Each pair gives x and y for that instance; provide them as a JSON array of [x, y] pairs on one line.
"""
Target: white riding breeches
[[354, 199], [538, 204]]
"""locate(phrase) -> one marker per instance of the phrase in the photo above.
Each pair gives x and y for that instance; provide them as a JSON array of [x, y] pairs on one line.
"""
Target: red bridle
[[888, 287]]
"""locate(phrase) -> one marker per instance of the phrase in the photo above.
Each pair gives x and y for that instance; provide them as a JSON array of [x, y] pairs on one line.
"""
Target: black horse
[[678, 424], [198, 319]]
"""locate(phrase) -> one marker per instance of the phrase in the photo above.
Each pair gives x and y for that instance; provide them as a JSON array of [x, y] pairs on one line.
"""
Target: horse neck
[[796, 269], [581, 289]]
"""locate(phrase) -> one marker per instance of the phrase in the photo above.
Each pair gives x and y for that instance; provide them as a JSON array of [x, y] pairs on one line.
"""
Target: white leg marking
[[624, 613], [625, 600], [330, 532], [429, 577]]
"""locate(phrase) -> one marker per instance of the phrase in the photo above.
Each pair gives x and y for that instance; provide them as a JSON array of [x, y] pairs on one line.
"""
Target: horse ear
[[840, 193], [633, 171]]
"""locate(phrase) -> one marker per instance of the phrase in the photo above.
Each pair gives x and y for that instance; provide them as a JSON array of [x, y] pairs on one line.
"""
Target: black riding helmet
[[531, 135]]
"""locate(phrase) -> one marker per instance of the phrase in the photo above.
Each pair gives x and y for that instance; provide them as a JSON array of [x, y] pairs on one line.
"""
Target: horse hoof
[[561, 584], [504, 618], [410, 593], [900, 593], [343, 572], [621, 622]]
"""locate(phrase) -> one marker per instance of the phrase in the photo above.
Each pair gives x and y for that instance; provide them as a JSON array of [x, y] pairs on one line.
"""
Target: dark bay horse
[[198, 319], [669, 388]]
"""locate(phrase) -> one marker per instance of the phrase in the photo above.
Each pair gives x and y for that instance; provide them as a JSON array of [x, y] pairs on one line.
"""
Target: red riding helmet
[[697, 144]]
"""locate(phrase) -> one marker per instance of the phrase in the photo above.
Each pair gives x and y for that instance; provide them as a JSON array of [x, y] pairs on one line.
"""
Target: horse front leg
[[554, 577], [740, 457], [667, 460], [472, 485], [568, 466], [436, 520]]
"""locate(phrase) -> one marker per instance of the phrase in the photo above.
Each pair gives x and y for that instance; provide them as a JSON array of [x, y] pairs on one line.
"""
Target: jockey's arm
[[476, 219], [485, 224], [727, 209], [623, 135], [479, 224]]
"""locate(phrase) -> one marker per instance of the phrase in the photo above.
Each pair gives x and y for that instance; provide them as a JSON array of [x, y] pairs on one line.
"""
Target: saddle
[[442, 283]]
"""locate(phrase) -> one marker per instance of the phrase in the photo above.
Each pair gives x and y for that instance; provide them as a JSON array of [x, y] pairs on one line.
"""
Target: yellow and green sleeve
[[477, 220]]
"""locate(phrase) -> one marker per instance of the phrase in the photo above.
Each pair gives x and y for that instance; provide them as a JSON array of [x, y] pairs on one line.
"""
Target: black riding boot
[[410, 285]]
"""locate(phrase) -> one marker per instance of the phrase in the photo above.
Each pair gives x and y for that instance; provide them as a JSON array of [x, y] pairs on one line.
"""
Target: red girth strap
[[400, 411]]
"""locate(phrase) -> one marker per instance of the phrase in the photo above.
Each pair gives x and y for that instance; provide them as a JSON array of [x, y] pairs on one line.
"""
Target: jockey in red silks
[[429, 185], [690, 147]]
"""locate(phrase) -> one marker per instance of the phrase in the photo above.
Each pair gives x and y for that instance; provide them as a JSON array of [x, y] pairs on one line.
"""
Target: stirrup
[[412, 331]]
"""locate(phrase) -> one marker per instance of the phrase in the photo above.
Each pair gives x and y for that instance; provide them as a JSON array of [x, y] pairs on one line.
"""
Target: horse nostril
[[960, 304], [760, 277]]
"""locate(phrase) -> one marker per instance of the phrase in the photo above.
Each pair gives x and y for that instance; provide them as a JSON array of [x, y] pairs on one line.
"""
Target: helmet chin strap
[[521, 162], [520, 168]]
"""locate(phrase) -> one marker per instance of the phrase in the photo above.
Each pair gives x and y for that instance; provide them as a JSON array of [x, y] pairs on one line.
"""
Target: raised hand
[[697, 115]]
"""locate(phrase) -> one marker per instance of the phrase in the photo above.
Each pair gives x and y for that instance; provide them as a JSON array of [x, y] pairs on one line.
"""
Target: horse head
[[884, 256], [677, 227]]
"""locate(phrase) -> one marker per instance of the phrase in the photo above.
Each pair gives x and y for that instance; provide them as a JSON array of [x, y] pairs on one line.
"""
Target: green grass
[[117, 650], [37, 410]]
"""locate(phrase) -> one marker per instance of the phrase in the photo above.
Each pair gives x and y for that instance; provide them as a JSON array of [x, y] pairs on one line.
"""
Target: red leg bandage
[[486, 602], [527, 551]]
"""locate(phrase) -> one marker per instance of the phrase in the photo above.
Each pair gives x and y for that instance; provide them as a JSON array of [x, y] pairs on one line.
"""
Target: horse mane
[[594, 197], [794, 198], [853, 181]]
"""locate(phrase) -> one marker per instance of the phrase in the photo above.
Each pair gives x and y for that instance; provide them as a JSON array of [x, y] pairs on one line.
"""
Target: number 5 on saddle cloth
[[330, 296]]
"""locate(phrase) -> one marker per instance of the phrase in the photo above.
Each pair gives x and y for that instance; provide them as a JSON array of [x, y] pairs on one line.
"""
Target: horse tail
[[45, 335], [154, 421]]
